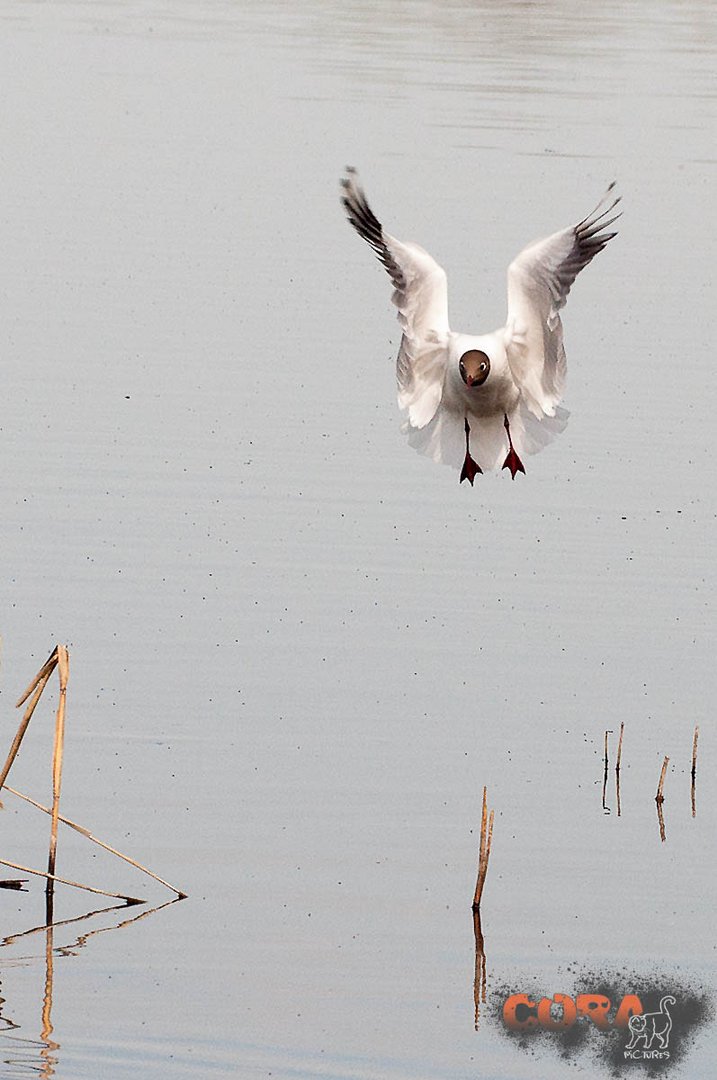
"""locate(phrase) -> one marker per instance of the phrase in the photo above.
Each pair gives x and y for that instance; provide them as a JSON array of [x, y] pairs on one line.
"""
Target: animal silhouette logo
[[650, 1026]]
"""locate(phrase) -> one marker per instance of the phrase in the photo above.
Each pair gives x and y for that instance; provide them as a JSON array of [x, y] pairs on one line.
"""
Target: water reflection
[[480, 977], [605, 807], [49, 1046], [693, 771], [41, 1055]]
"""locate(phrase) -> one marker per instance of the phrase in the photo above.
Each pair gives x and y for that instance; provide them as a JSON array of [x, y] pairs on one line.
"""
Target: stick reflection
[[480, 978], [605, 807], [40, 1056]]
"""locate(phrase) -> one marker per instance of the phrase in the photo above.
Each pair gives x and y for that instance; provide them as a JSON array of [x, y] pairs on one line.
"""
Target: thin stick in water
[[36, 689], [659, 798], [617, 767], [47, 668], [619, 747], [95, 840], [63, 665], [694, 768], [75, 884], [486, 839]]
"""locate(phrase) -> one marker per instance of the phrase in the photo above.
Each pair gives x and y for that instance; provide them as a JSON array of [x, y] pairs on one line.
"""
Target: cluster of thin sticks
[[59, 658], [659, 797]]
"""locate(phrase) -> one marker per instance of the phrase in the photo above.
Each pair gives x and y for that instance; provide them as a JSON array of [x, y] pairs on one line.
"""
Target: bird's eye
[[483, 371]]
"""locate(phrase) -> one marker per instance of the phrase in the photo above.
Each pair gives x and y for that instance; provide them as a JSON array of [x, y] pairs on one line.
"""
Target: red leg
[[470, 467], [512, 461]]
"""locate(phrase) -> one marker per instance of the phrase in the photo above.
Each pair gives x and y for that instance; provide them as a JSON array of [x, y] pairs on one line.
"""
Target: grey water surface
[[298, 649]]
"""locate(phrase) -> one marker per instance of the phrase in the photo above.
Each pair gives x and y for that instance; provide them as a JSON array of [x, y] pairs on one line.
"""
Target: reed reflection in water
[[41, 1055]]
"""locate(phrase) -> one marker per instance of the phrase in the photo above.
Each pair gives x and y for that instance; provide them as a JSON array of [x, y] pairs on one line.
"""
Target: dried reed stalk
[[619, 747], [486, 838], [693, 773], [35, 688], [47, 669], [63, 666], [617, 767], [659, 798], [75, 884], [95, 840]]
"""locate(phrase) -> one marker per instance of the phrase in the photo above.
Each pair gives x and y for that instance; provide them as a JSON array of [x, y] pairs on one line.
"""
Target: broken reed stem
[[659, 798], [36, 687], [47, 668], [74, 884], [693, 773], [486, 838], [63, 666], [617, 768], [95, 840], [483, 824]]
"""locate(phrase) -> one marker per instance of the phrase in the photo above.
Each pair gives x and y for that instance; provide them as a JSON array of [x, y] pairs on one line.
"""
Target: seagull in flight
[[472, 399]]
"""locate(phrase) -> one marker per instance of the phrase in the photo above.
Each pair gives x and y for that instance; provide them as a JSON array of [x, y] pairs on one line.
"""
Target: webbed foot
[[512, 461], [470, 468]]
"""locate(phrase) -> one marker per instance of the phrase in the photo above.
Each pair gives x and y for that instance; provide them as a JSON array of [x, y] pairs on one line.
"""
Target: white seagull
[[469, 392]]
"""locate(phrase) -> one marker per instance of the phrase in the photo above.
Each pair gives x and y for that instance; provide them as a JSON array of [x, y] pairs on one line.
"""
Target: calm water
[[298, 649]]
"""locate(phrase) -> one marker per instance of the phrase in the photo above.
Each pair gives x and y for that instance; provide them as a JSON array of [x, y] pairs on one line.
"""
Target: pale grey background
[[299, 649]]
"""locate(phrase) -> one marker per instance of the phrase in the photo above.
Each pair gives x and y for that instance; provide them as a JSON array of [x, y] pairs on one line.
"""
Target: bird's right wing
[[421, 296]]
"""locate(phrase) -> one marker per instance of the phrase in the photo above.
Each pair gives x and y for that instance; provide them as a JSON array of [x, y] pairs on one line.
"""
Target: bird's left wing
[[539, 281], [421, 296]]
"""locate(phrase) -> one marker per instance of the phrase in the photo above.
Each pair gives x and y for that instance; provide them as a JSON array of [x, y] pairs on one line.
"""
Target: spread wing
[[421, 296], [539, 281]]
